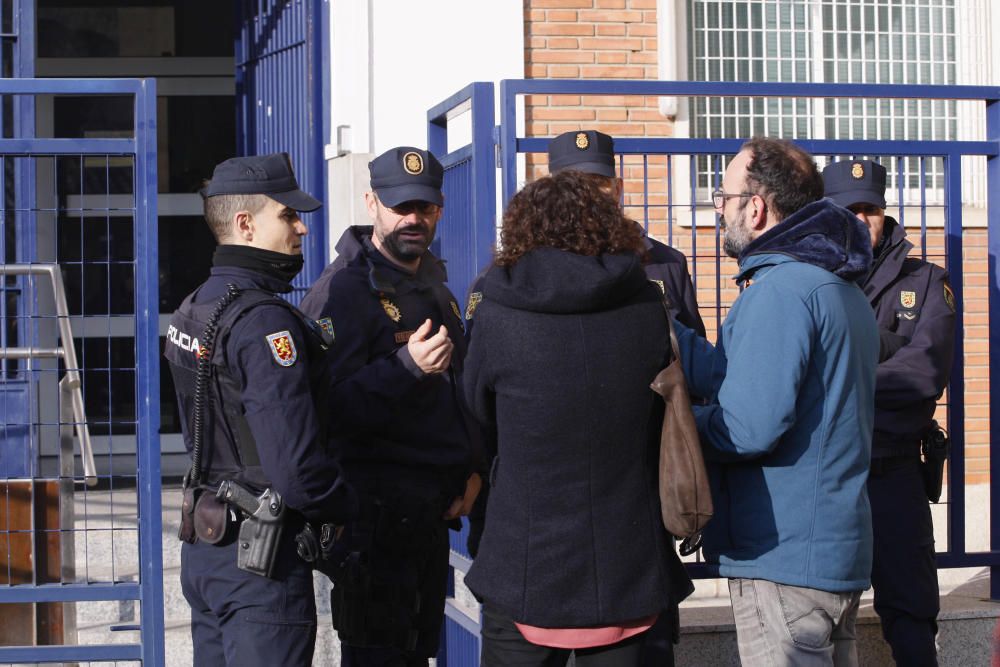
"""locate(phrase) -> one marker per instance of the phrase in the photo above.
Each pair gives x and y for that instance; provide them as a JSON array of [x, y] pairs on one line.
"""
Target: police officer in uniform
[[593, 152], [247, 370], [915, 310], [396, 365]]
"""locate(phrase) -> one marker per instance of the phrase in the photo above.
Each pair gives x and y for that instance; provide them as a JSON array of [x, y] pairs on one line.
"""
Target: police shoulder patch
[[326, 324], [659, 283], [949, 297], [282, 347], [470, 307], [454, 309]]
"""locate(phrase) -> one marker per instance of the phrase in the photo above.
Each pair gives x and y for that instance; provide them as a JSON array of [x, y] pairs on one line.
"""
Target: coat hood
[[822, 234], [547, 280]]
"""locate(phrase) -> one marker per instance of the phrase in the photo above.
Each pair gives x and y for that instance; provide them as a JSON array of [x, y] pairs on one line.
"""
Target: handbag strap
[[674, 345]]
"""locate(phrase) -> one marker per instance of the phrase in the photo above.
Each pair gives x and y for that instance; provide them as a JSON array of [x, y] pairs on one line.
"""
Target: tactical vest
[[229, 448]]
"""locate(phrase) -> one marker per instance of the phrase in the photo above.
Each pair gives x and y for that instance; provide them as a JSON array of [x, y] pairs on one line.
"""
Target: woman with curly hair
[[570, 333]]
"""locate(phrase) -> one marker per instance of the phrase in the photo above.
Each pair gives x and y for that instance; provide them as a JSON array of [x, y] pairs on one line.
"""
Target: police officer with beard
[[915, 310], [396, 365], [249, 379]]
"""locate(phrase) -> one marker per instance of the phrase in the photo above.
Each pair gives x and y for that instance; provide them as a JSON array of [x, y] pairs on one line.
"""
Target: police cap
[[849, 182], [589, 151], [407, 174], [269, 175]]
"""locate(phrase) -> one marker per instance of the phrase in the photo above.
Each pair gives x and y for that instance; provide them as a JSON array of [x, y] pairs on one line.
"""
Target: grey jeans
[[779, 625]]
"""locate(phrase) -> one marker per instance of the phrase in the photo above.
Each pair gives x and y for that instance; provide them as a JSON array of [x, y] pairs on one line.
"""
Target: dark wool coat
[[558, 369]]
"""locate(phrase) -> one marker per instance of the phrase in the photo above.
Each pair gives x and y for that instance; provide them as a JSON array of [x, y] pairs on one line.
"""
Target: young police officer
[[915, 310], [246, 366], [397, 365]]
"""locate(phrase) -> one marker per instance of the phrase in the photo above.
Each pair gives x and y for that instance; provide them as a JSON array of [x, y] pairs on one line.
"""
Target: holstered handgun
[[934, 449], [260, 532]]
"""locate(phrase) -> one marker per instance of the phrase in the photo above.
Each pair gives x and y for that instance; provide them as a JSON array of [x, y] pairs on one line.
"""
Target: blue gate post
[[147, 367], [466, 235], [993, 280]]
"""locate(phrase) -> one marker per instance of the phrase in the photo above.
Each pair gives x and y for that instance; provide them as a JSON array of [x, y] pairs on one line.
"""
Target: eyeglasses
[[719, 197]]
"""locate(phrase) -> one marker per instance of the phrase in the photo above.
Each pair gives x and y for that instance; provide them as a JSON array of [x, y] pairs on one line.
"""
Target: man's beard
[[404, 249], [736, 239]]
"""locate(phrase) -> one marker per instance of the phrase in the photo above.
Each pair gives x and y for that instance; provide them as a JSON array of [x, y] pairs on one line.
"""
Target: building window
[[828, 41]]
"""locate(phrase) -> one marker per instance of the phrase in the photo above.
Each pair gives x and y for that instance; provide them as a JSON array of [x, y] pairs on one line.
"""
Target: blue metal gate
[[465, 238], [283, 100], [674, 178], [80, 540]]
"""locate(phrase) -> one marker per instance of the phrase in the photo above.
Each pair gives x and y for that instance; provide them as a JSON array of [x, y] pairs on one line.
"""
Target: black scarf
[[270, 263]]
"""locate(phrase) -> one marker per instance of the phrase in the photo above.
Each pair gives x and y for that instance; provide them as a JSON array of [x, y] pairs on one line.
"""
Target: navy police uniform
[[915, 311], [262, 427], [404, 436]]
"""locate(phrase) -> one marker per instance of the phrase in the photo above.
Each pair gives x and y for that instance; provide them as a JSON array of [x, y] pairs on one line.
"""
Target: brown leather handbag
[[685, 498]]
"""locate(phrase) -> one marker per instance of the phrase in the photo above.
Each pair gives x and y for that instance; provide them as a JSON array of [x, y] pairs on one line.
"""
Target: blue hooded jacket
[[788, 425]]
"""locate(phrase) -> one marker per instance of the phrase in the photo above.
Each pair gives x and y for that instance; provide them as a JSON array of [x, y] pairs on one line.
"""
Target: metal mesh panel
[[79, 467]]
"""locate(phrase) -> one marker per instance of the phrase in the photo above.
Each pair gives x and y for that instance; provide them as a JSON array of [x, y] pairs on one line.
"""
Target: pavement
[[106, 550]]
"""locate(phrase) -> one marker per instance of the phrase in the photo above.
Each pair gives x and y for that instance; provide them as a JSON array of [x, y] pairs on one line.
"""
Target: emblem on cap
[[391, 309], [907, 299], [582, 141], [857, 171], [282, 347], [413, 163]]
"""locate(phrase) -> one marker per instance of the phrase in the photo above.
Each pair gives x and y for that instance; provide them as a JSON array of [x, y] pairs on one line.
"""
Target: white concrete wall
[[391, 60]]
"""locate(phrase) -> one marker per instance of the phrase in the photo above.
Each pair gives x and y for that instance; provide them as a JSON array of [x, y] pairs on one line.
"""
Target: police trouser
[[244, 619], [388, 598], [904, 572]]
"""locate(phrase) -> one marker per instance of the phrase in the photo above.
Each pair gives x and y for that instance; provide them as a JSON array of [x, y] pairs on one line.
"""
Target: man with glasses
[[786, 429], [396, 364]]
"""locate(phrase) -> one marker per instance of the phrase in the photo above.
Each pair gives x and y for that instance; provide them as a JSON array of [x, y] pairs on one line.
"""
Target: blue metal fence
[[674, 203], [80, 332], [283, 101]]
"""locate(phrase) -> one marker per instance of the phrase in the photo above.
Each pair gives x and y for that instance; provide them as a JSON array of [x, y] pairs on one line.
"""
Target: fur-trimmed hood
[[822, 234]]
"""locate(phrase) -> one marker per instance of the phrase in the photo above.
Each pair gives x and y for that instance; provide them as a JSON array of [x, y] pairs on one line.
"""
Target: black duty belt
[[896, 450]]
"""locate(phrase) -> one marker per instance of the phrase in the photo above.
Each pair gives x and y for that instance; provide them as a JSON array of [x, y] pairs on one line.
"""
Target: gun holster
[[934, 451], [260, 533]]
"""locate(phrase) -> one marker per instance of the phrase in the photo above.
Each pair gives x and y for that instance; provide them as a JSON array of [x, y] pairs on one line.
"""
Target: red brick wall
[[616, 39]]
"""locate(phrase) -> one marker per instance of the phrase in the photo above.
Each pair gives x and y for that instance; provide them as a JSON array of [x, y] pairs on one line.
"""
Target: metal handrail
[[71, 380]]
